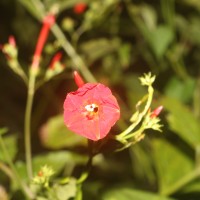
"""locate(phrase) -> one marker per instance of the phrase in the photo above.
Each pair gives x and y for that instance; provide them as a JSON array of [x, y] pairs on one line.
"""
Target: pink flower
[[79, 8], [91, 111]]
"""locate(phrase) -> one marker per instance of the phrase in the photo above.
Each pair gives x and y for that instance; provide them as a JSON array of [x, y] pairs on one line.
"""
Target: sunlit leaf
[[95, 49], [11, 147], [67, 191], [182, 121], [159, 39], [54, 134], [172, 165], [128, 193], [181, 90]]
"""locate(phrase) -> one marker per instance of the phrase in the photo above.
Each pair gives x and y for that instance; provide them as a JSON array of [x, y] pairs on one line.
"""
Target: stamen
[[92, 108]]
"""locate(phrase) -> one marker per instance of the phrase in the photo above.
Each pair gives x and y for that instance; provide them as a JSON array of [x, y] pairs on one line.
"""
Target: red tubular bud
[[55, 59], [48, 21], [79, 8], [78, 79], [11, 40], [156, 112]]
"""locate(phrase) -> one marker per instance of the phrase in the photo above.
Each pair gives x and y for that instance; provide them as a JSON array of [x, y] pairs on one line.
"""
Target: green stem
[[79, 63], [22, 186], [27, 125], [85, 173], [4, 168]]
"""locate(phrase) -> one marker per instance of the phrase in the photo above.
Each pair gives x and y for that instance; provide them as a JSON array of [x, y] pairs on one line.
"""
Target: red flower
[[79, 8], [91, 111]]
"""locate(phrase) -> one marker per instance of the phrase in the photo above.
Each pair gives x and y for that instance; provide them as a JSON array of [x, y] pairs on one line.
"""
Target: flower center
[[92, 110]]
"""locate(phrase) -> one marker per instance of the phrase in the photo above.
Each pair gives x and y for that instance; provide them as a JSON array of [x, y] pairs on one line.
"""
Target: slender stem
[[79, 63], [27, 125], [23, 187], [86, 172], [6, 170]]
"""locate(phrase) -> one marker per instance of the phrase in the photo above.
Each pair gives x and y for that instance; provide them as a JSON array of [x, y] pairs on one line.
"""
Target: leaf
[[3, 131], [54, 134], [11, 146], [180, 90], [65, 192], [172, 166], [182, 121], [95, 49], [30, 7], [144, 168], [56, 160], [123, 193], [159, 39]]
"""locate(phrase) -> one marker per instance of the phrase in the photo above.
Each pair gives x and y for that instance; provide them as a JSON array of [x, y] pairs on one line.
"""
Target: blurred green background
[[118, 40]]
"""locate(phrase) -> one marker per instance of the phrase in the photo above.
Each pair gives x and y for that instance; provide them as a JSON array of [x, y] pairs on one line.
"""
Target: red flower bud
[[48, 21], [11, 40], [78, 79], [79, 8], [156, 112], [57, 57]]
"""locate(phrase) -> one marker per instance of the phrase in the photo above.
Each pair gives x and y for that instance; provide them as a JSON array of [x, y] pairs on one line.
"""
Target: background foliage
[[118, 40]]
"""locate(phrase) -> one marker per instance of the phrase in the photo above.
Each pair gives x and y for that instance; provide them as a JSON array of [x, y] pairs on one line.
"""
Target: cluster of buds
[[55, 66], [10, 49], [43, 176], [147, 119], [11, 52]]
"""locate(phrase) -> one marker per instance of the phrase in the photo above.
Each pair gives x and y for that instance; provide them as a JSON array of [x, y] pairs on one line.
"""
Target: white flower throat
[[92, 108]]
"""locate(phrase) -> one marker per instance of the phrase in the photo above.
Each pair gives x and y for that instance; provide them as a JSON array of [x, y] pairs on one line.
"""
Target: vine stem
[[69, 49], [27, 125], [86, 172]]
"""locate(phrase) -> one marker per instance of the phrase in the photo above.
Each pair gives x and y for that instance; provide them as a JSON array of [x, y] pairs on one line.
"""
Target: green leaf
[[95, 49], [3, 131], [173, 166], [65, 192], [182, 121], [54, 134], [11, 146], [180, 90], [144, 168], [30, 7], [57, 160], [123, 193], [159, 39]]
